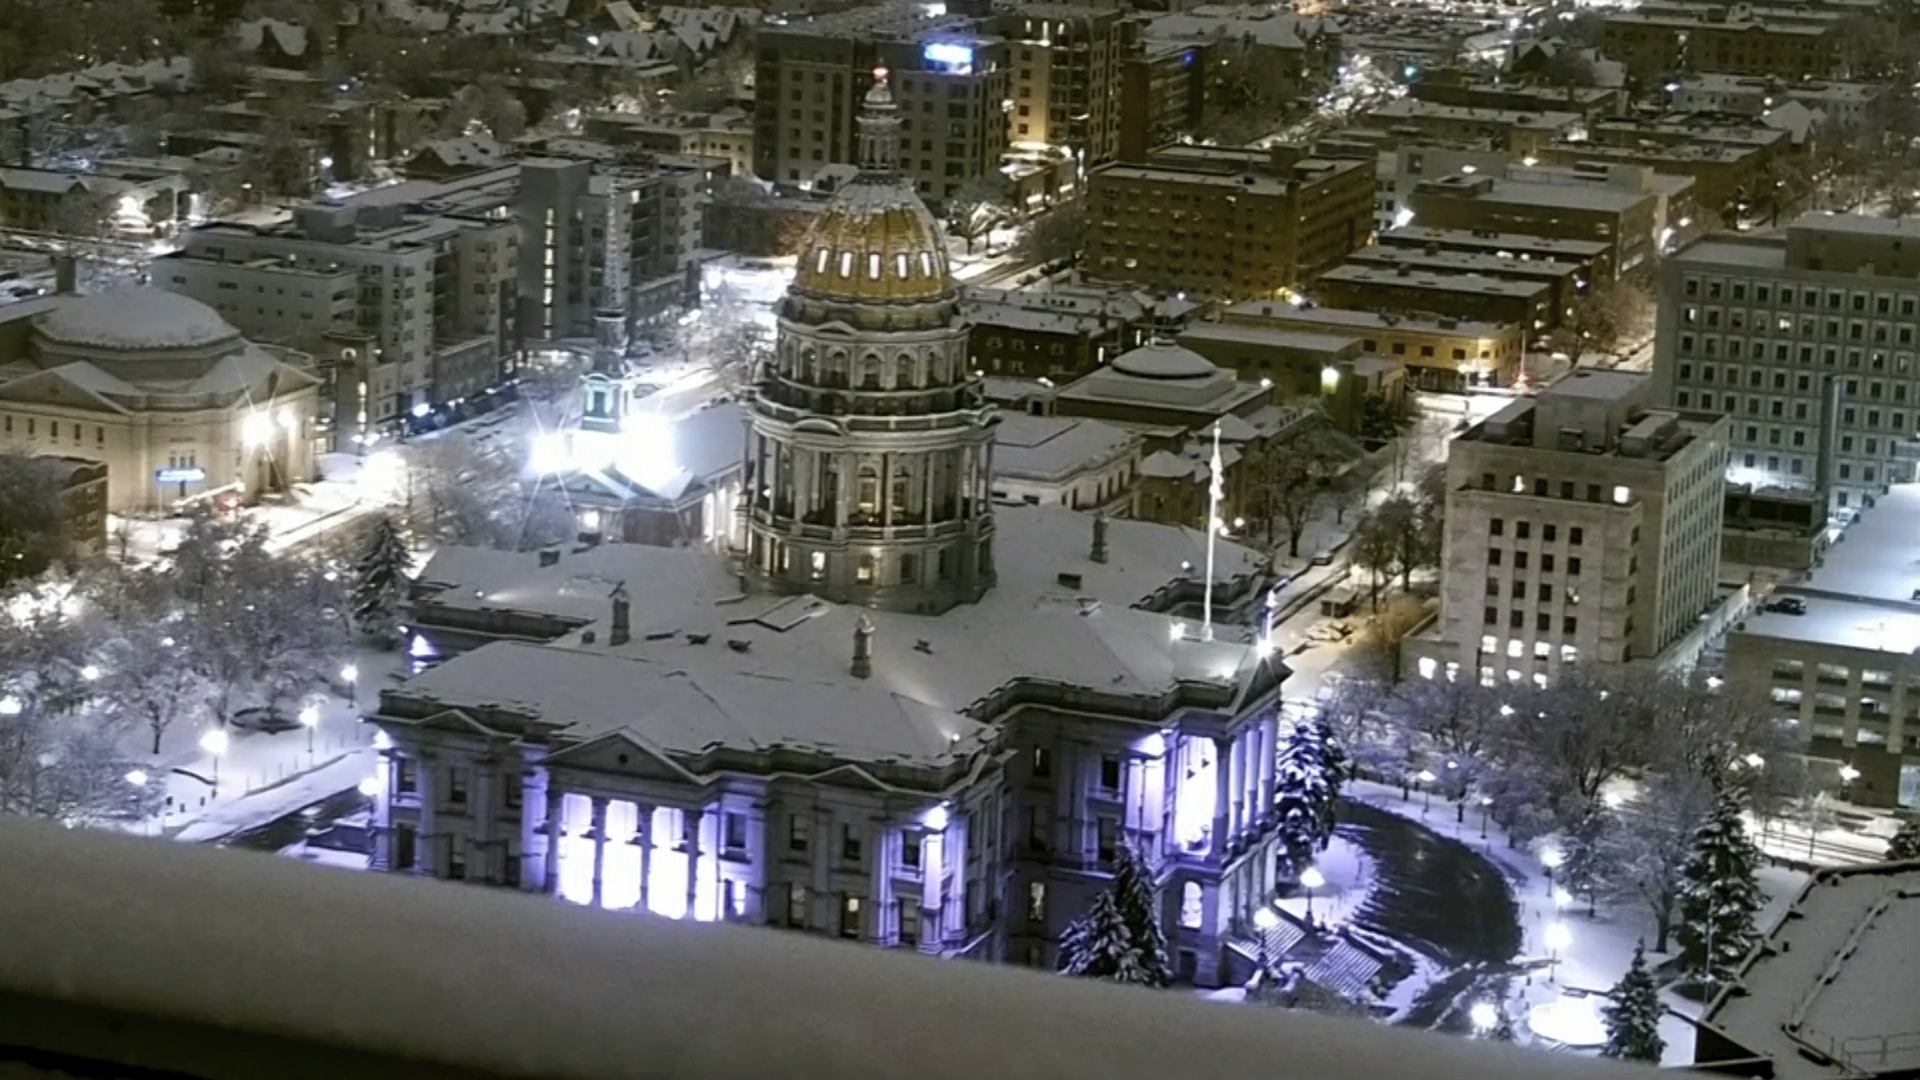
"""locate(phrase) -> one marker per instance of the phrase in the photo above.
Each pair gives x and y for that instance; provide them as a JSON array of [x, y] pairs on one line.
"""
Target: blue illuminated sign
[[943, 52], [179, 476]]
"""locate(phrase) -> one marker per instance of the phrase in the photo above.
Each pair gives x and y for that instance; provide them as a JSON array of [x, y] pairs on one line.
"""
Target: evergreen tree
[[1719, 893], [1138, 903], [1633, 1015], [380, 581], [1311, 768], [1097, 945], [1905, 843]]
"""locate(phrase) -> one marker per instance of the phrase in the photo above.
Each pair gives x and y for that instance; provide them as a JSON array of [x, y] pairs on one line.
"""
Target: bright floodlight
[[256, 430], [1848, 774], [549, 453], [1552, 858], [1264, 918], [646, 449], [1558, 936], [137, 777], [90, 672], [1484, 1015], [1755, 761], [9, 706], [1312, 878], [1426, 776], [214, 742], [370, 786], [349, 673], [936, 817], [382, 741], [310, 716], [1561, 897], [1506, 710]]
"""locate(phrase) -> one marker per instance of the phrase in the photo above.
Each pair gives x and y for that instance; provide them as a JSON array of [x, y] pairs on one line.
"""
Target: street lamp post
[[1486, 807], [1311, 879], [1426, 779], [1558, 938], [1550, 860], [1264, 920], [310, 719], [215, 742]]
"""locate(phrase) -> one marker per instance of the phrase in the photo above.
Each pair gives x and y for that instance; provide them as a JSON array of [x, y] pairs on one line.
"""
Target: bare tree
[[1056, 235], [978, 205], [148, 677], [1295, 481], [1608, 316], [1648, 848]]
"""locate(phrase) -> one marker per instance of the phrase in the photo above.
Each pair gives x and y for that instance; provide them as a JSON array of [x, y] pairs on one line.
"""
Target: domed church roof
[[137, 320], [876, 241]]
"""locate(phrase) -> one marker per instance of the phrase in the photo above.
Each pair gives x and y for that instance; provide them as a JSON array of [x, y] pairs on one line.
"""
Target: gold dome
[[876, 242]]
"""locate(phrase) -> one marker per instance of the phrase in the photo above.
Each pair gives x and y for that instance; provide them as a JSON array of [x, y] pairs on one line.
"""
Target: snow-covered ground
[[1559, 1002]]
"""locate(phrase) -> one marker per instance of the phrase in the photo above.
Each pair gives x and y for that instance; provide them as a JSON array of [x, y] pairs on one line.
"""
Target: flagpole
[[1215, 489]]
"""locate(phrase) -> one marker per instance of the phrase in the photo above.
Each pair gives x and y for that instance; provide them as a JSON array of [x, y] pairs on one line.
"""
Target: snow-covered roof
[[1054, 447], [422, 977], [1863, 595], [692, 622], [1163, 359], [142, 318], [1832, 991]]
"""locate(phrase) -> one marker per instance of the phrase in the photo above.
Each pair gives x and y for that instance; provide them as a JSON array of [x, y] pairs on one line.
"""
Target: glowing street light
[[1486, 807], [349, 674], [1264, 920], [310, 719], [370, 786], [1426, 779], [1310, 879], [90, 673], [1484, 1015], [1559, 936], [137, 777], [1562, 898], [1551, 859], [9, 706], [1848, 774], [215, 742], [1755, 761]]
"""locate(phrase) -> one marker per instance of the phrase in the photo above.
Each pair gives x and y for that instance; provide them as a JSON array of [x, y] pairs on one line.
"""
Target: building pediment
[[460, 722], [55, 387], [852, 777], [623, 753]]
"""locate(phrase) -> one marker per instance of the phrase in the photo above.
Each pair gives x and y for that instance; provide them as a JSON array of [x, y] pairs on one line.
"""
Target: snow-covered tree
[[1633, 1014], [1097, 945], [1906, 841], [1308, 778], [1646, 854], [1587, 863], [1719, 893], [147, 677], [380, 581], [1138, 902]]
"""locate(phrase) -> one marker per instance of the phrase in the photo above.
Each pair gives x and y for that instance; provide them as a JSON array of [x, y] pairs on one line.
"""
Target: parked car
[[1786, 605], [263, 718], [1321, 558]]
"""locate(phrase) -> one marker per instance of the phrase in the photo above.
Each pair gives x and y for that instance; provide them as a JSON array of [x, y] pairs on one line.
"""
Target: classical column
[[1270, 737], [599, 834], [886, 490], [643, 836], [881, 839], [926, 486], [485, 782], [1236, 764], [427, 860], [693, 821], [551, 886], [1223, 793]]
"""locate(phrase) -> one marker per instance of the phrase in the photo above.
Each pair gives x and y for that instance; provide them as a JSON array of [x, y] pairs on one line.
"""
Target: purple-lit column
[[1236, 770], [598, 832], [551, 885], [485, 783], [1269, 747], [427, 860], [1223, 796], [880, 842], [643, 836], [953, 920], [694, 817]]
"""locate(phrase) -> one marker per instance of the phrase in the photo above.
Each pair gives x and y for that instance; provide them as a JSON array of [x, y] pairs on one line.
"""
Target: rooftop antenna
[[1216, 490]]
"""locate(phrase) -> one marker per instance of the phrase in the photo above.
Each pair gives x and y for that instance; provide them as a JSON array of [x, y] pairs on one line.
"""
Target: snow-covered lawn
[[1348, 874]]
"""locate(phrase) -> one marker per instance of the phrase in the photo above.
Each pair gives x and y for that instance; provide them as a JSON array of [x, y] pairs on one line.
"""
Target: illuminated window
[[902, 266], [926, 264], [797, 900], [1037, 902], [873, 266], [849, 916], [817, 565], [820, 262], [1515, 648], [846, 264], [1428, 666], [1621, 494], [1191, 912]]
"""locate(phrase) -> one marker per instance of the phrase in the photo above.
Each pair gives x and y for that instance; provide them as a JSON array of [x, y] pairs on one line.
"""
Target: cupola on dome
[[876, 241]]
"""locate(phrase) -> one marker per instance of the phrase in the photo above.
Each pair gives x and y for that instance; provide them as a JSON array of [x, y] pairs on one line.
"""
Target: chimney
[[862, 648], [1099, 554], [622, 621], [66, 275]]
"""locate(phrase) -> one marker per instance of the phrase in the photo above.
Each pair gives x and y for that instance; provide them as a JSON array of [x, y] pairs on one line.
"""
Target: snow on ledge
[[498, 984]]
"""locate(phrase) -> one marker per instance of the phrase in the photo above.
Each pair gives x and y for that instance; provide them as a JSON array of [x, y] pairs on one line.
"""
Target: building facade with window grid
[[1759, 330], [1582, 527]]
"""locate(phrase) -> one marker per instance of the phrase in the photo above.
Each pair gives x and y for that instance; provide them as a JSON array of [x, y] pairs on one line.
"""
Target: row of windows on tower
[[903, 264]]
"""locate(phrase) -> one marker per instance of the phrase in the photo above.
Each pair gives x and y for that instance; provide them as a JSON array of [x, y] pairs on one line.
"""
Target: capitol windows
[[902, 266], [820, 261], [846, 264], [926, 263], [817, 565], [873, 266], [864, 572]]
